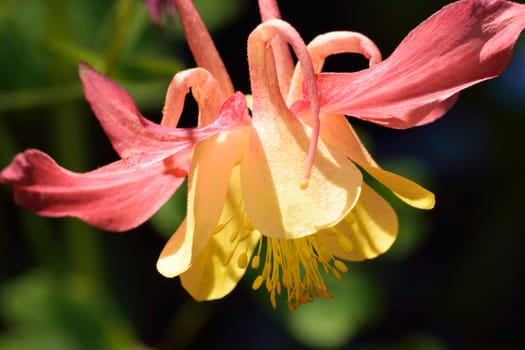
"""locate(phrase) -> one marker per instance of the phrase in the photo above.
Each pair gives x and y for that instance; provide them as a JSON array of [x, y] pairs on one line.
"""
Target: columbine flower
[[285, 179], [154, 159], [288, 182]]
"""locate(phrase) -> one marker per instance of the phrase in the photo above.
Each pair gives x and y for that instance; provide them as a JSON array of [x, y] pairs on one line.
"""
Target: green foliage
[[331, 323], [49, 312]]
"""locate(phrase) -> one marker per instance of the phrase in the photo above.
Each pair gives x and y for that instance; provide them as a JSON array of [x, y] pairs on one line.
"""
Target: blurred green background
[[453, 280]]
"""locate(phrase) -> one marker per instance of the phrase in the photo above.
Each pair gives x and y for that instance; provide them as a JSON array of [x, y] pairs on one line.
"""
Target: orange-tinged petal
[[223, 260], [371, 229], [337, 130], [213, 161]]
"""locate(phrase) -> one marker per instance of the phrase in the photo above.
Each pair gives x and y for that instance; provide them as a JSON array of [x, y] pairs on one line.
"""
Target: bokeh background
[[453, 280]]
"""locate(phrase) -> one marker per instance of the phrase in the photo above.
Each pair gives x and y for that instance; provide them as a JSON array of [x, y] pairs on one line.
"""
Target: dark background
[[453, 280]]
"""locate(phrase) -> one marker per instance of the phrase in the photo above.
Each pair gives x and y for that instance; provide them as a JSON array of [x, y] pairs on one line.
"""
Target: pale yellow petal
[[272, 171], [175, 258], [278, 160], [213, 160], [212, 164], [371, 229], [342, 137], [221, 263]]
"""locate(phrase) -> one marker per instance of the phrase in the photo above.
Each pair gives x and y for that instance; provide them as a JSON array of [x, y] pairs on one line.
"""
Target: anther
[[234, 235], [256, 262], [257, 283], [229, 257], [242, 260], [340, 265], [218, 228]]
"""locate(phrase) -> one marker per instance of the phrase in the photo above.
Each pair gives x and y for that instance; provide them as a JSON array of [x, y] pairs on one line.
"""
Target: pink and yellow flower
[[279, 191], [288, 185], [154, 161]]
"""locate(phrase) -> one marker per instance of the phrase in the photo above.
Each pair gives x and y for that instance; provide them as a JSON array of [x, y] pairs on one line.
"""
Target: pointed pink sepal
[[462, 44], [121, 195]]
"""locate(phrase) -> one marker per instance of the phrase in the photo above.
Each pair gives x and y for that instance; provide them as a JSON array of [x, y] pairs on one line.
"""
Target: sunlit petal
[[271, 177], [371, 228], [175, 257], [213, 161], [343, 138], [223, 260]]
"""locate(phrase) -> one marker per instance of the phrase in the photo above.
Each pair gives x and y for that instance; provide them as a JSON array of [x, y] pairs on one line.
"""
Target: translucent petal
[[271, 178], [175, 257], [272, 172], [213, 161], [216, 271], [337, 130], [371, 228]]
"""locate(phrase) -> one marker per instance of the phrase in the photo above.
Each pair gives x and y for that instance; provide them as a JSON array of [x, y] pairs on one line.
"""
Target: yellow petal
[[213, 160], [371, 228], [219, 266], [272, 171], [277, 161], [342, 137], [175, 258]]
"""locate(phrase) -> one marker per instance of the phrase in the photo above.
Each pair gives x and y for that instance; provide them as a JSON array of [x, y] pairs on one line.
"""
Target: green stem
[[41, 97], [117, 42]]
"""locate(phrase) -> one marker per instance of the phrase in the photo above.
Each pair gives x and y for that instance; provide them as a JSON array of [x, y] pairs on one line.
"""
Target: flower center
[[294, 264]]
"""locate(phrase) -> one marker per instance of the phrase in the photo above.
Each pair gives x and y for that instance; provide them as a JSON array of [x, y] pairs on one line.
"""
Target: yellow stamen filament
[[257, 283], [340, 266], [238, 235], [218, 228], [255, 262], [294, 264]]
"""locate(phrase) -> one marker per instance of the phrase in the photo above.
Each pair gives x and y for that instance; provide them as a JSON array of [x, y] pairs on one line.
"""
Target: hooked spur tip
[[304, 184]]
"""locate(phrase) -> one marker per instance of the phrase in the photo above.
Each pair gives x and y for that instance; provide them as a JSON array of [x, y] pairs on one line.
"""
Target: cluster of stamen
[[295, 265], [237, 236]]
